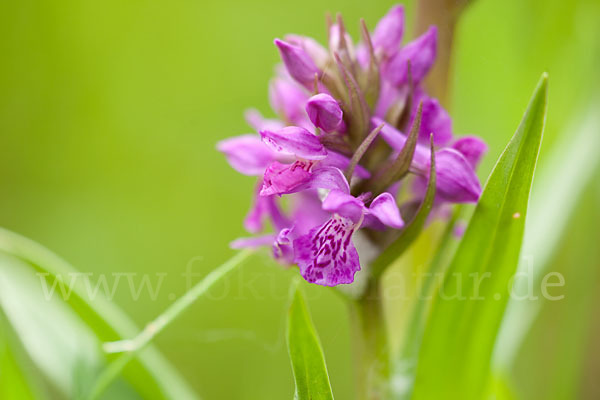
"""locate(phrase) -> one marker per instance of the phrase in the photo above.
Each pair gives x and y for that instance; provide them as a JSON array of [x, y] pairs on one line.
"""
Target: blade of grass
[[150, 374], [134, 345], [306, 354]]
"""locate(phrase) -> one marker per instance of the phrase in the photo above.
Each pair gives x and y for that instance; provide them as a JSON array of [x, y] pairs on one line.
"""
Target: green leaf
[[15, 376], [66, 350], [306, 354], [548, 220], [457, 345]]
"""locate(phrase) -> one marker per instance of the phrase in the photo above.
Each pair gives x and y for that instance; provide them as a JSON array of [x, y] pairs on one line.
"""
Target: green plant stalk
[[406, 360], [132, 346], [370, 345]]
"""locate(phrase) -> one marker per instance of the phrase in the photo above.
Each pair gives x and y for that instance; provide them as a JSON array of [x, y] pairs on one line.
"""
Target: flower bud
[[298, 63], [324, 112], [388, 32], [420, 52]]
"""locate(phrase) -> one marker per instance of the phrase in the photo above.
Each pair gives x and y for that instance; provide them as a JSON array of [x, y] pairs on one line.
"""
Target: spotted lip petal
[[295, 140], [247, 154], [326, 255]]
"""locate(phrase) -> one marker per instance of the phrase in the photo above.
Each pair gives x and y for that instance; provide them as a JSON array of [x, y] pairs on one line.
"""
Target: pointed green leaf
[[306, 354], [548, 220], [458, 341], [65, 350]]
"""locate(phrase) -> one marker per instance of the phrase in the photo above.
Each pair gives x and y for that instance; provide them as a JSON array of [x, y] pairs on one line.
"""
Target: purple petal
[[388, 32], [326, 255], [285, 178], [472, 147], [345, 205], [324, 112], [456, 180], [298, 63], [421, 52], [264, 207], [283, 248], [326, 178], [295, 140], [252, 242], [316, 52], [434, 119], [247, 154], [385, 209], [287, 99]]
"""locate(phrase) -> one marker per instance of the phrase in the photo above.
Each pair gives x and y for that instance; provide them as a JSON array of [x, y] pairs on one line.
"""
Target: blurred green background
[[109, 115]]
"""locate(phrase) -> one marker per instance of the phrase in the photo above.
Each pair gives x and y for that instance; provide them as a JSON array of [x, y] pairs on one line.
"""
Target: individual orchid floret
[[456, 180], [420, 53], [326, 255], [314, 166], [324, 112], [387, 35], [298, 63]]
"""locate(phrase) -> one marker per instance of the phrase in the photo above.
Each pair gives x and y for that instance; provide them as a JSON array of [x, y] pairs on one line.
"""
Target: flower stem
[[370, 345], [131, 346]]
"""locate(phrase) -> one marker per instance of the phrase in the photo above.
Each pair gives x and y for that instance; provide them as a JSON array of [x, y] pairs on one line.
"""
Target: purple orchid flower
[[456, 179], [340, 120]]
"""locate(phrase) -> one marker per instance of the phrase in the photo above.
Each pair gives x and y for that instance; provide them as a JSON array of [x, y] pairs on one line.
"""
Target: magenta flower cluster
[[323, 165]]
